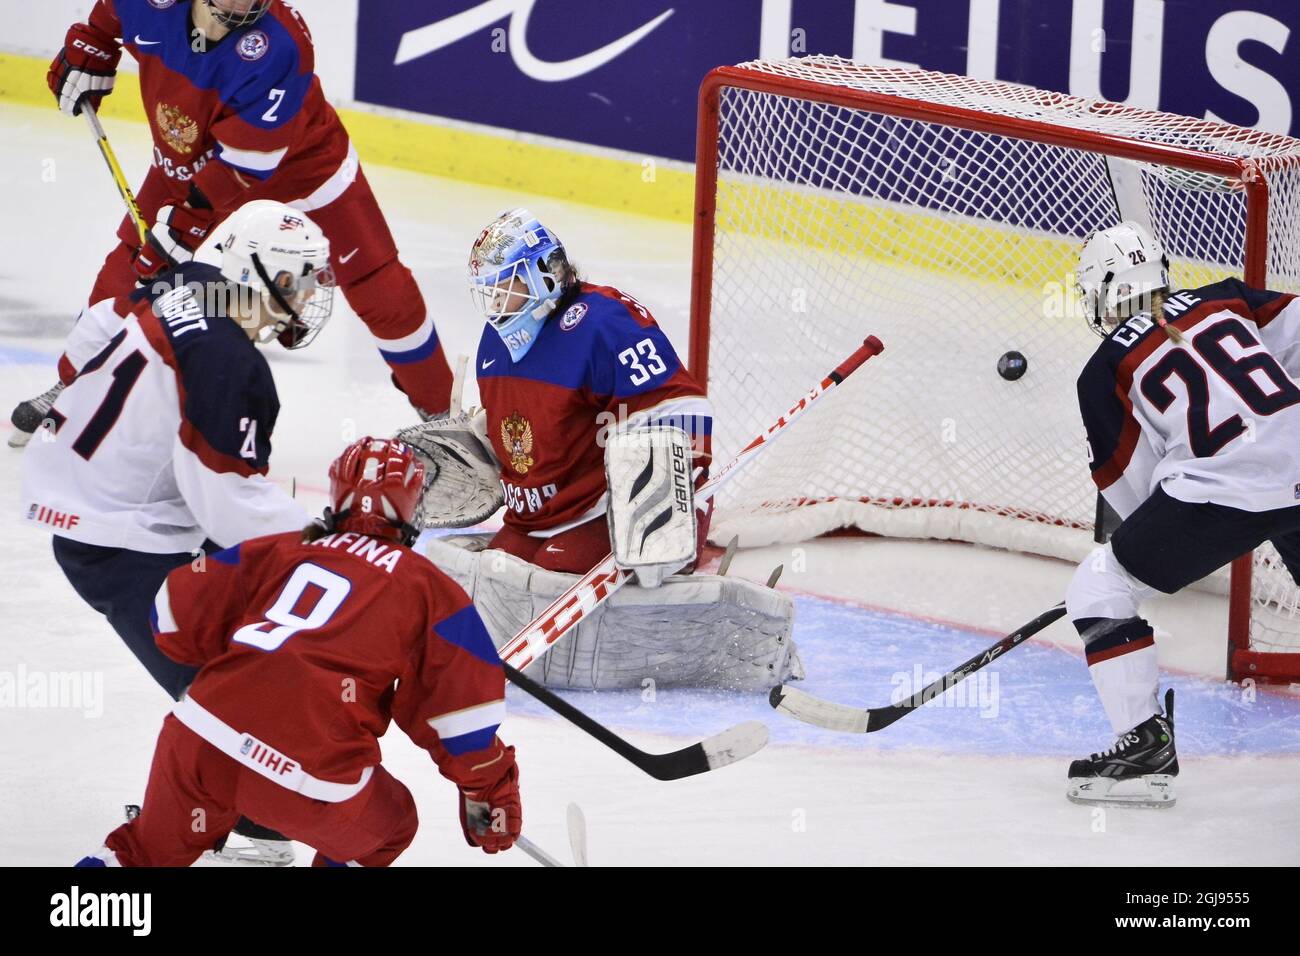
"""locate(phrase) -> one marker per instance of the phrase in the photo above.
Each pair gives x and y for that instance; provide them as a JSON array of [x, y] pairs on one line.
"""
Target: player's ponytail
[[1158, 299], [571, 281]]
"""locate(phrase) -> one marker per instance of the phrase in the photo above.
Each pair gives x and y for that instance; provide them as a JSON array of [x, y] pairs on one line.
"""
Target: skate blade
[[1154, 791], [257, 853]]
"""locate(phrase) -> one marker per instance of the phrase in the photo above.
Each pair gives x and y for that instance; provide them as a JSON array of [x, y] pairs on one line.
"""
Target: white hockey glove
[[651, 501], [462, 485]]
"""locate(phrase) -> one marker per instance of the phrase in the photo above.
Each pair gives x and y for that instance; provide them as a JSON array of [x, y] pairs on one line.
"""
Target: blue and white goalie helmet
[[1119, 270], [518, 270]]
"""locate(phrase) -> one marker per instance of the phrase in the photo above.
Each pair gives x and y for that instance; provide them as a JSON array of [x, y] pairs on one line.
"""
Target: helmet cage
[[542, 278], [234, 19], [296, 328]]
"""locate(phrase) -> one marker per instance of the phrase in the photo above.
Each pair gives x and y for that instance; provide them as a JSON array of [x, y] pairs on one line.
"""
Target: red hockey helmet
[[375, 488]]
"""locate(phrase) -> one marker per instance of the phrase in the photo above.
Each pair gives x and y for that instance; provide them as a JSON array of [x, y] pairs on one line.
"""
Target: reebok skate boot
[[1138, 771], [28, 415]]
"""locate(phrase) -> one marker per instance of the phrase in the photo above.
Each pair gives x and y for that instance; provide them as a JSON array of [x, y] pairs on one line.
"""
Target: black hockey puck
[[1012, 365]]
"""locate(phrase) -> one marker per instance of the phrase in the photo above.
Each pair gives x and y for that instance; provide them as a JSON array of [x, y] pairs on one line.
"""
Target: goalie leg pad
[[693, 631], [651, 503]]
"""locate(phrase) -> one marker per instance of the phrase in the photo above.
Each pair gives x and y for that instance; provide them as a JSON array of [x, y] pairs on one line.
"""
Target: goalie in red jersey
[[593, 435], [237, 113], [309, 644]]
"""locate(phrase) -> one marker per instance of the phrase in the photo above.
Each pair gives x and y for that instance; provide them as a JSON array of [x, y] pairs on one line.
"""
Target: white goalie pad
[[651, 501], [462, 485], [694, 631]]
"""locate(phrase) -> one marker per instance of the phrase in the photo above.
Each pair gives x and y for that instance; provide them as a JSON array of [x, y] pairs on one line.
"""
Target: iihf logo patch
[[31, 512], [1297, 492], [246, 746], [573, 316], [253, 45], [162, 4]]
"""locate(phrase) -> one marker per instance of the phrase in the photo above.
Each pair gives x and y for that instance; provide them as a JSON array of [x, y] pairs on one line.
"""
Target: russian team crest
[[177, 130], [517, 437], [253, 45], [572, 316]]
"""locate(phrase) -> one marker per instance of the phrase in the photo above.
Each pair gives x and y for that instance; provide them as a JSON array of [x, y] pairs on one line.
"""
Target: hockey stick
[[536, 852], [577, 824], [735, 743], [119, 178], [577, 834], [855, 720], [593, 588]]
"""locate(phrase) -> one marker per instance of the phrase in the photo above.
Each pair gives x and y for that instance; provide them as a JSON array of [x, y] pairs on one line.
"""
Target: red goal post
[[943, 212]]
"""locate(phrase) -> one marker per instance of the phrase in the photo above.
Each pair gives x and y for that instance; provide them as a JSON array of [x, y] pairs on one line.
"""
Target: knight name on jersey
[[519, 499], [378, 553], [55, 519]]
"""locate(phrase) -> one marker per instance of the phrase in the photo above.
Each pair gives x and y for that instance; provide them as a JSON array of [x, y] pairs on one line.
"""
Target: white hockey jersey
[[163, 438], [1216, 419]]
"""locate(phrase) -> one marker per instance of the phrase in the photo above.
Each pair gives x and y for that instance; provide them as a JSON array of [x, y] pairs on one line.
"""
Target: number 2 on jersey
[[328, 592]]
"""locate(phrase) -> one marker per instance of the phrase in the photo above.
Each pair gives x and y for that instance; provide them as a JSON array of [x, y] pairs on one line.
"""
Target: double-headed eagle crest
[[517, 437], [177, 130]]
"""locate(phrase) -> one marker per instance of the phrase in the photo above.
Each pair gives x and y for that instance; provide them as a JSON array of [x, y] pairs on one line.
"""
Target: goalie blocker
[[650, 506]]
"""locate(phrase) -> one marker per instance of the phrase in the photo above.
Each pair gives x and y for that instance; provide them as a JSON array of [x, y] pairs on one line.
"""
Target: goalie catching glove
[[462, 475], [651, 504]]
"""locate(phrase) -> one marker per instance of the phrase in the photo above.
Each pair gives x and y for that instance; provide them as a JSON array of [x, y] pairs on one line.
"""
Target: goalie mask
[[376, 486], [518, 270], [1119, 270], [282, 256]]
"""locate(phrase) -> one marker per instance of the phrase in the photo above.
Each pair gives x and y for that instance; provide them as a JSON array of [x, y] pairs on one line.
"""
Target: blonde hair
[[1158, 299]]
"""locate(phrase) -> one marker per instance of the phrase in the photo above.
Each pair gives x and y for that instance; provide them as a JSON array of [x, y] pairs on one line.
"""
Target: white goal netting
[[834, 219]]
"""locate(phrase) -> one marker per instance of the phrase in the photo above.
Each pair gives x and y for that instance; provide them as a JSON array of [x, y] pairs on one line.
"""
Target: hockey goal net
[[945, 214]]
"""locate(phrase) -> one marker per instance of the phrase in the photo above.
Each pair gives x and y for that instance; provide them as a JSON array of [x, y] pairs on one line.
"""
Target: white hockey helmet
[[1119, 267], [280, 254]]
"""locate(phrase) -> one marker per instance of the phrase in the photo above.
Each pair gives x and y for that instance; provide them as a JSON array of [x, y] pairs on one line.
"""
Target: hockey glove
[[492, 817], [180, 230], [85, 68]]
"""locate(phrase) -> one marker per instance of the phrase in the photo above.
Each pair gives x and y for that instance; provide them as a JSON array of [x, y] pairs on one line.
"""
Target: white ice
[[64, 776]]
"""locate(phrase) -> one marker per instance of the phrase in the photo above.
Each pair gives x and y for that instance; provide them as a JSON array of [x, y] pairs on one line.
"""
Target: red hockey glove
[[181, 230], [492, 817], [85, 68], [152, 259], [177, 233]]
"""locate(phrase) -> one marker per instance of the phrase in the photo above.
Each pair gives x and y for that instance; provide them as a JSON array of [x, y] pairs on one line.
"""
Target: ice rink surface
[[977, 777]]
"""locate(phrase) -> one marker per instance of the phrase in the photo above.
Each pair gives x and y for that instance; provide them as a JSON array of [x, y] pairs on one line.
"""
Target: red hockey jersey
[[308, 650], [603, 363], [243, 118]]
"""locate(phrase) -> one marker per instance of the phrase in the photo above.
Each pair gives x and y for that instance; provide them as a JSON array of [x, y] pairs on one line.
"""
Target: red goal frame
[[1242, 662]]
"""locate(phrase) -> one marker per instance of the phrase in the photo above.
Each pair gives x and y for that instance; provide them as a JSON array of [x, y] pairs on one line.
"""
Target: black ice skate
[[1137, 772], [28, 415], [259, 846]]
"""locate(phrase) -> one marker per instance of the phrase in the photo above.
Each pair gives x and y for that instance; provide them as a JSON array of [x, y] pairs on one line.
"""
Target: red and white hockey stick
[[596, 586]]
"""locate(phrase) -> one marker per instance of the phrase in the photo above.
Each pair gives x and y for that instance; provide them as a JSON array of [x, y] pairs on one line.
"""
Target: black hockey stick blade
[[733, 744], [858, 720]]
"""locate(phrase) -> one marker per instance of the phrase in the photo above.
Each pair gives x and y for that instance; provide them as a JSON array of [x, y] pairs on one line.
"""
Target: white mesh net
[[954, 246]]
